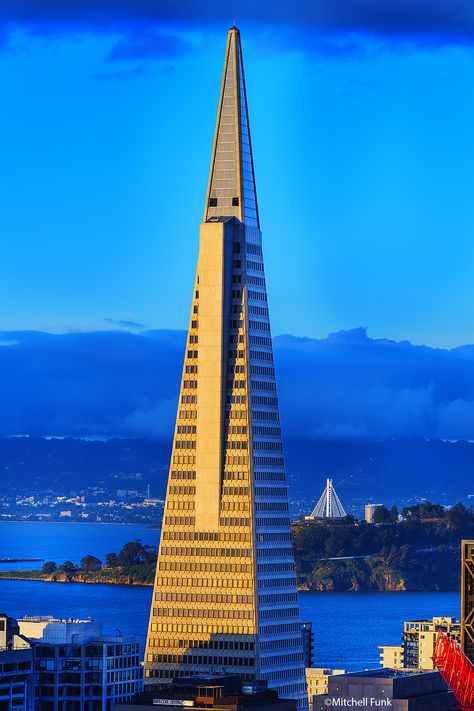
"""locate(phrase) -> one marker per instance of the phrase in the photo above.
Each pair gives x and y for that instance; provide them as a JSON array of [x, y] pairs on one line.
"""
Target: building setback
[[225, 594]]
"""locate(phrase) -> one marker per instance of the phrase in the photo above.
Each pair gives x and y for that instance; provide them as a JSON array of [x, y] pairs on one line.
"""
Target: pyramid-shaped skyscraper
[[225, 594]]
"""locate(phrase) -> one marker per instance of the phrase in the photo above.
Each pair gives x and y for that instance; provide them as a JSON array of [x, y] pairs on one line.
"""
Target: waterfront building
[[467, 598], [222, 692], [79, 668], [317, 681], [418, 642], [225, 590], [369, 510], [329, 504], [16, 666], [386, 688]]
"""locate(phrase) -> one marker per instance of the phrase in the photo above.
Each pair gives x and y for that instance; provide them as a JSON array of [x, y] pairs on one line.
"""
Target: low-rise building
[[418, 641], [317, 681], [386, 688], [222, 692], [79, 668]]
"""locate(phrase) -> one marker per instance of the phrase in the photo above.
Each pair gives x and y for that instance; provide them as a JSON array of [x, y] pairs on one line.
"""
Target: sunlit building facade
[[225, 594], [418, 643]]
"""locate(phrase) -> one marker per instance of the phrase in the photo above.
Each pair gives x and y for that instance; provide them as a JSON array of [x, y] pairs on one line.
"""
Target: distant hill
[[395, 472], [64, 466]]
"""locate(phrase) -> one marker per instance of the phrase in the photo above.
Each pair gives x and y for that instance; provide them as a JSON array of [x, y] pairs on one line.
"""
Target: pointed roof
[[231, 189], [329, 504]]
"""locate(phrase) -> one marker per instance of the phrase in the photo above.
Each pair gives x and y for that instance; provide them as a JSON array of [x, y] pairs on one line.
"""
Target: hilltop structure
[[329, 504], [225, 596]]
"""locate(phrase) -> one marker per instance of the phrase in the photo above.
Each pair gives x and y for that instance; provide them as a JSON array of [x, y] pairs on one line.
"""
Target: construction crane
[[456, 669]]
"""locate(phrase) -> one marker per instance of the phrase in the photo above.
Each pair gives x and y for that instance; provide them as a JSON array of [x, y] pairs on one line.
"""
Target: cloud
[[345, 387], [124, 323], [156, 30], [136, 71], [355, 387], [147, 44]]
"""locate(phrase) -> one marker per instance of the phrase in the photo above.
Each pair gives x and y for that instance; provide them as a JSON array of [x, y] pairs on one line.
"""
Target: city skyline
[[376, 179]]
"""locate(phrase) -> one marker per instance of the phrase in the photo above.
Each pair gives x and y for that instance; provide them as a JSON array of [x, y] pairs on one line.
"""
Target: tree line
[[134, 555]]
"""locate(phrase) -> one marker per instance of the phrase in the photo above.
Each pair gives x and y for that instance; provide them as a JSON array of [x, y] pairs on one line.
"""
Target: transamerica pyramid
[[225, 595]]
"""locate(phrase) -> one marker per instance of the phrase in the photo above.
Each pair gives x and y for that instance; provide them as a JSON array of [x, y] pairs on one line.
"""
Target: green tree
[[49, 568], [68, 569], [90, 564], [133, 553], [381, 515], [394, 514], [424, 511], [459, 517], [111, 560]]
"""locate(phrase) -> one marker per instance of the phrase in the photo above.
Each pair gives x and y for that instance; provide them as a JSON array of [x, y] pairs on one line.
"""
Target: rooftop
[[385, 673]]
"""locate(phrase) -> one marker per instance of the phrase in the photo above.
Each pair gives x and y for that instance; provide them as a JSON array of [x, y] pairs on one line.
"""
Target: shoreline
[[84, 523], [15, 575]]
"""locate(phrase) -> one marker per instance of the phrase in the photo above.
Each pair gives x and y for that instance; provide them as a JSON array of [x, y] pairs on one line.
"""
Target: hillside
[[395, 472]]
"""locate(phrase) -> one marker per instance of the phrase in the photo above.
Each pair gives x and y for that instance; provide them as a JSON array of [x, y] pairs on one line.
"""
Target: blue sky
[[363, 143]]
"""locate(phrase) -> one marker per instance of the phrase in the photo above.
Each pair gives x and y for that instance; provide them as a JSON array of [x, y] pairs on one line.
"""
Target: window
[[213, 202], [235, 201]]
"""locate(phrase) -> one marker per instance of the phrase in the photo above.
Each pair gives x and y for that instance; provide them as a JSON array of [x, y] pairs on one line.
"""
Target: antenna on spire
[[329, 504]]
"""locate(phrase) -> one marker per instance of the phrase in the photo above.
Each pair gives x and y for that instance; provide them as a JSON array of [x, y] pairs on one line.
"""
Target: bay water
[[348, 627]]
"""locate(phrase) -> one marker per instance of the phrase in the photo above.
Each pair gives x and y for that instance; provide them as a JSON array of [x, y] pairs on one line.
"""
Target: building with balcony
[[79, 668], [418, 640]]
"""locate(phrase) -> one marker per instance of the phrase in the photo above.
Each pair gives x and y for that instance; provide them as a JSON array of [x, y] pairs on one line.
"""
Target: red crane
[[456, 669]]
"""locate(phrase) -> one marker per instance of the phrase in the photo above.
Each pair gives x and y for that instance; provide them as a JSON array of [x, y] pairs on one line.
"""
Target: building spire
[[329, 504], [231, 188]]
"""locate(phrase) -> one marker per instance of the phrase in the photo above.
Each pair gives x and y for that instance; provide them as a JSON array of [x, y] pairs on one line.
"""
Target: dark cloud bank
[[344, 387], [153, 29]]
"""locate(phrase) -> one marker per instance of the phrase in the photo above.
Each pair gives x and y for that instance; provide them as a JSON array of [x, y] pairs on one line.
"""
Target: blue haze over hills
[[383, 418], [344, 387]]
